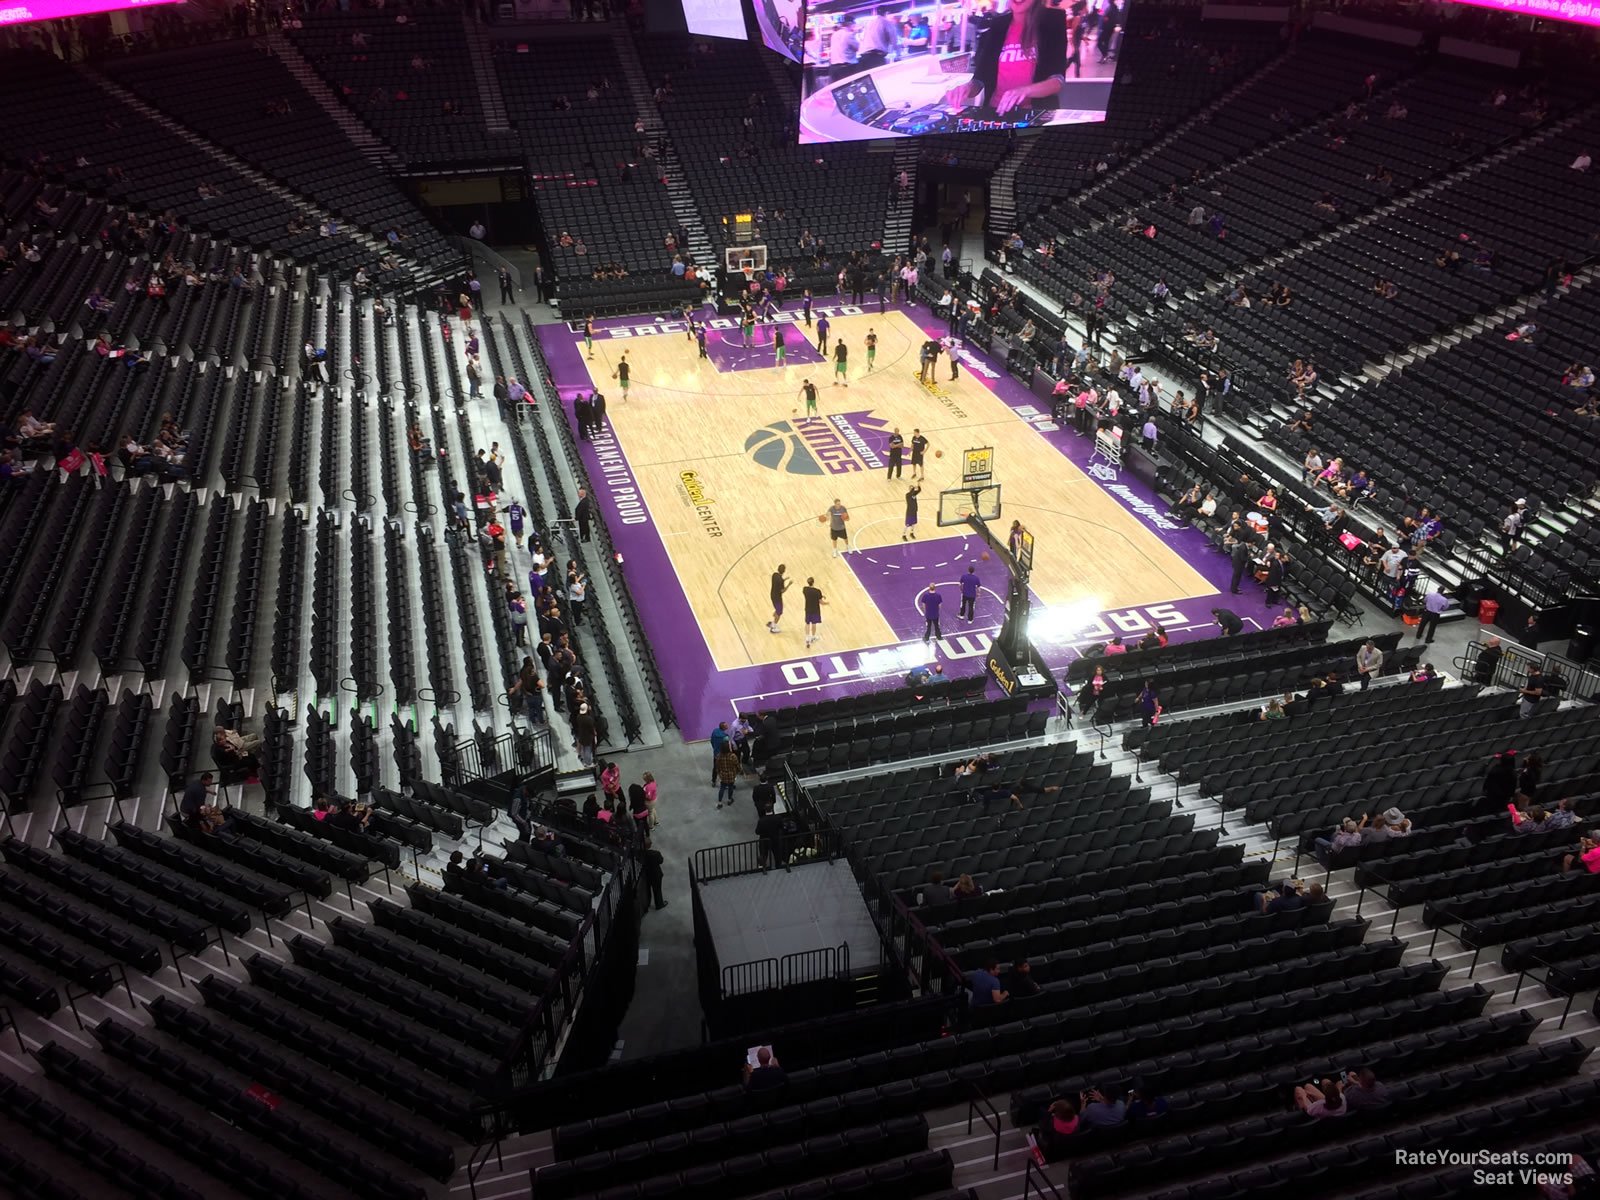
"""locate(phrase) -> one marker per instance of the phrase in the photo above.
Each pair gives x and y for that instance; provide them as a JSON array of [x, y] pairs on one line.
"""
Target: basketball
[[938, 453], [823, 519], [985, 556]]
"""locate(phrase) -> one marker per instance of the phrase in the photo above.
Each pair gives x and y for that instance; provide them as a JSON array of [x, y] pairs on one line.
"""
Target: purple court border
[[703, 695]]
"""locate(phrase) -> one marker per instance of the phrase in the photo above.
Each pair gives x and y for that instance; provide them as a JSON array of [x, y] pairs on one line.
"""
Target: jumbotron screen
[[876, 70], [50, 10], [782, 26], [715, 18], [1579, 12]]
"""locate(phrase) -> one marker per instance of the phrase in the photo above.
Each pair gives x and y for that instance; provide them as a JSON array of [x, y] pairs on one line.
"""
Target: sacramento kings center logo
[[837, 444]]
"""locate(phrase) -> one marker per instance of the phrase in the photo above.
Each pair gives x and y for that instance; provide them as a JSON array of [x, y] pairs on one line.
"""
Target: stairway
[[679, 194], [495, 119], [259, 179], [897, 229], [1182, 129], [373, 148], [1002, 215]]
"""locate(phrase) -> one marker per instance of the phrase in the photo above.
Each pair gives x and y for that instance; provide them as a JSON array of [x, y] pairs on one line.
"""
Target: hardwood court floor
[[698, 438]]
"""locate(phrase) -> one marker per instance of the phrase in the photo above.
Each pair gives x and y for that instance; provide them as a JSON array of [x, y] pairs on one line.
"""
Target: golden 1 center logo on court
[[836, 444]]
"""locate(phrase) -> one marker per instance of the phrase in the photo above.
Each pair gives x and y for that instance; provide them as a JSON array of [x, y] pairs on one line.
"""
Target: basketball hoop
[[749, 273]]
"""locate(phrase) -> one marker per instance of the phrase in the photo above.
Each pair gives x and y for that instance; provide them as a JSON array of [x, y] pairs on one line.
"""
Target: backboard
[[737, 258], [957, 504]]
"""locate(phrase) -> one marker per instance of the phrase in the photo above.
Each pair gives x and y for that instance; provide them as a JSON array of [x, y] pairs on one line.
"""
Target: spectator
[[653, 875], [1532, 691], [1289, 896], [984, 984], [1500, 780], [1098, 1112], [769, 829], [236, 745], [1060, 1123], [198, 813], [1143, 1105], [1363, 1092], [764, 1073], [726, 769], [1020, 982], [1563, 816], [1533, 821], [936, 891], [1587, 858], [966, 888], [1488, 661], [1346, 836], [585, 735], [1369, 661], [1324, 1099]]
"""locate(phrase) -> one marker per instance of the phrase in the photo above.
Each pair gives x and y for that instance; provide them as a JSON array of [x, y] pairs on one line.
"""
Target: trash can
[[1488, 610]]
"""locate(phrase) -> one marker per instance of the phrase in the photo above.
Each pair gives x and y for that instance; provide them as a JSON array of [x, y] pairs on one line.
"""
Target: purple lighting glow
[[50, 10]]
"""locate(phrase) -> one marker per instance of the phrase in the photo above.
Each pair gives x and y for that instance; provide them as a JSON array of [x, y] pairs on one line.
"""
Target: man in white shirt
[[879, 39], [842, 50]]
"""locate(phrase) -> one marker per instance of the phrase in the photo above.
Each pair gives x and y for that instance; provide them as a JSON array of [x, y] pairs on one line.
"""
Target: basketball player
[[777, 343], [747, 324], [919, 448], [969, 593], [897, 449], [809, 391], [621, 373], [912, 493], [588, 336], [812, 595], [780, 585], [822, 335], [836, 515], [872, 348], [841, 363]]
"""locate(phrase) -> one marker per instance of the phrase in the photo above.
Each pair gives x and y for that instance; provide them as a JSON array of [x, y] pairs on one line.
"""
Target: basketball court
[[711, 475]]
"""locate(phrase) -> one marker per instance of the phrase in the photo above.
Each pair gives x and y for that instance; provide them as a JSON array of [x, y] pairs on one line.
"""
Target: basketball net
[[749, 274]]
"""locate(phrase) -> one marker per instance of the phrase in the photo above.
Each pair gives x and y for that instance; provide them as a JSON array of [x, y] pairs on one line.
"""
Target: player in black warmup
[[897, 446]]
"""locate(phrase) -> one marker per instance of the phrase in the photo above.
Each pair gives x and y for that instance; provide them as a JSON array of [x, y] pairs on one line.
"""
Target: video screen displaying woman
[[878, 69]]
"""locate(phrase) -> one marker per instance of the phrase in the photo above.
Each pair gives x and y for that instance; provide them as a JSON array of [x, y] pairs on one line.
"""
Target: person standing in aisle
[[822, 335], [896, 453], [588, 337], [969, 594], [912, 493], [812, 595], [928, 604], [515, 515], [508, 294], [653, 875], [727, 773], [919, 450], [577, 592], [780, 585], [1433, 607], [582, 513]]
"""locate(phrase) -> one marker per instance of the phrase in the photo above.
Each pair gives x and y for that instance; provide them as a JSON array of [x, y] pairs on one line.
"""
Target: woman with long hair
[[1020, 61]]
